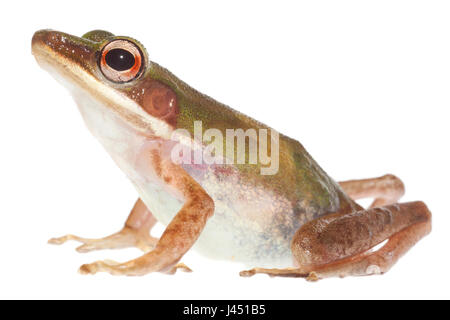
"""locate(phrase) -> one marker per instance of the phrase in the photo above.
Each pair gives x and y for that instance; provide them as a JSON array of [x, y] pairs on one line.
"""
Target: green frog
[[267, 205]]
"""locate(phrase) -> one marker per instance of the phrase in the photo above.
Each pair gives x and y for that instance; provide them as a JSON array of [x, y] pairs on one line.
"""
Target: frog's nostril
[[41, 37], [37, 37]]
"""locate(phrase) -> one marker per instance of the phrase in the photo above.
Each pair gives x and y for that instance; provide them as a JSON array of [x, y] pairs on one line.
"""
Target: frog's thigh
[[340, 244], [180, 234], [387, 189], [135, 233]]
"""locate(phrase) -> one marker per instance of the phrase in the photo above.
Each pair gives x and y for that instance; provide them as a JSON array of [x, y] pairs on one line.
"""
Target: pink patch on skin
[[223, 170], [160, 101]]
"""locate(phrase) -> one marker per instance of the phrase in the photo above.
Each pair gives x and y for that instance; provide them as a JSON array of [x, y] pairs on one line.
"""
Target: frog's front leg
[[135, 233], [180, 234], [341, 244]]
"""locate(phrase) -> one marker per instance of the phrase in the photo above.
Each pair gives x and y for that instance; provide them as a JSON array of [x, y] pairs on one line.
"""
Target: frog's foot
[[340, 245], [125, 238], [385, 190], [116, 268], [135, 233], [287, 272]]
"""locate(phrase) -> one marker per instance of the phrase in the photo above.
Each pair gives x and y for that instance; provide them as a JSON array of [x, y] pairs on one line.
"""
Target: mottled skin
[[145, 111]]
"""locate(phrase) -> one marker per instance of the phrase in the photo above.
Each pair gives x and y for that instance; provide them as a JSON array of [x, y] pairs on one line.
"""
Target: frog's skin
[[298, 220]]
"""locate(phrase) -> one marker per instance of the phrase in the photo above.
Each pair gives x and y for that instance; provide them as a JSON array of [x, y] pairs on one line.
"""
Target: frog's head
[[112, 71]]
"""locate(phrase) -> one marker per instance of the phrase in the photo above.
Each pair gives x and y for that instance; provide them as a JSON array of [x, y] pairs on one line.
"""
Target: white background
[[364, 85]]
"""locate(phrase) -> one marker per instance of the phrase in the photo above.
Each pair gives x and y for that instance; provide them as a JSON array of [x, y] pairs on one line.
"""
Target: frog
[[291, 220]]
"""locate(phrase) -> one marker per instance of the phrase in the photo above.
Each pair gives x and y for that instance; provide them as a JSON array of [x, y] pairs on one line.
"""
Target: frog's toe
[[247, 273], [100, 266], [287, 272], [125, 238], [90, 268], [85, 248], [63, 239], [180, 266]]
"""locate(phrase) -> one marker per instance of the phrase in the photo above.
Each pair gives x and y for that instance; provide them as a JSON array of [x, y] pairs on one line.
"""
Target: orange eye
[[121, 61]]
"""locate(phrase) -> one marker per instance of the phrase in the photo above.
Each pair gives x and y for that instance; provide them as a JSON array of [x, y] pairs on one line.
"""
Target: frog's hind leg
[[135, 233], [385, 190], [341, 244]]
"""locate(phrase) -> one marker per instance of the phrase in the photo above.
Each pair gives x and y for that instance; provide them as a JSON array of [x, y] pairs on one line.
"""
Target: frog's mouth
[[72, 62]]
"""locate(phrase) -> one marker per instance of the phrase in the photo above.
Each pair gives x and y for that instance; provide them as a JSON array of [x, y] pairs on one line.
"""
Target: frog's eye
[[121, 61]]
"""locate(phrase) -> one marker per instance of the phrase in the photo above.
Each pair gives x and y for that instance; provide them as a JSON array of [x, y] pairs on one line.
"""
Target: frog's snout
[[51, 39], [42, 37], [62, 49]]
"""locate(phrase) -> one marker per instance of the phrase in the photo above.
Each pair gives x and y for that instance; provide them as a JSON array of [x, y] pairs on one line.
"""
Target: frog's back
[[299, 178], [255, 215]]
